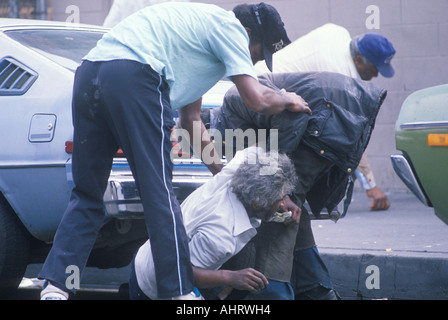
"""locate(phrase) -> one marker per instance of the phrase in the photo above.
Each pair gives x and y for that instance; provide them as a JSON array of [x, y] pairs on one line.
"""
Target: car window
[[65, 47]]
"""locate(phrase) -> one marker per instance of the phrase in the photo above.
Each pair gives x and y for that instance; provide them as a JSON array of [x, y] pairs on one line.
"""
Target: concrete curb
[[372, 274]]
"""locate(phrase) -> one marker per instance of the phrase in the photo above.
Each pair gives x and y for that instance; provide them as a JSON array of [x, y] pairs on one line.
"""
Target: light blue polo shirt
[[192, 45]]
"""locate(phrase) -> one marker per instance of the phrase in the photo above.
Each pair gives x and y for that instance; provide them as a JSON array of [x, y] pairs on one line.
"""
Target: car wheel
[[14, 250]]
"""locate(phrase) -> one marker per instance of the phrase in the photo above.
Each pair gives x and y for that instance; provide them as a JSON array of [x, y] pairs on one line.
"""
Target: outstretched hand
[[379, 199], [298, 103]]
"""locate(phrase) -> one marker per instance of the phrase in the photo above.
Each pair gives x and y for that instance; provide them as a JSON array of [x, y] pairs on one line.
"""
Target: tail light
[[438, 140], [69, 146], [177, 150]]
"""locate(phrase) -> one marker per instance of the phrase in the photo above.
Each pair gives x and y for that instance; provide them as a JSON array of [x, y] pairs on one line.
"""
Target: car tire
[[14, 250]]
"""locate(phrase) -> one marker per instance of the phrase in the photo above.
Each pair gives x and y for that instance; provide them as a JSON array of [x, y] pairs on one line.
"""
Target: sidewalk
[[406, 248], [407, 243]]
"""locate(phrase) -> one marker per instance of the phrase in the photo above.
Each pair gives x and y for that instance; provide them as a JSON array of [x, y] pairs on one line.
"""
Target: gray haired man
[[221, 218]]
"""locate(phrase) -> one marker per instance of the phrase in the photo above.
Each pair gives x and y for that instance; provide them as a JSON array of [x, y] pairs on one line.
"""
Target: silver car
[[37, 64]]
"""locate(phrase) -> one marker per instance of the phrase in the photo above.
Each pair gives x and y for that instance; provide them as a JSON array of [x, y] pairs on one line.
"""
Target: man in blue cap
[[375, 54], [331, 48]]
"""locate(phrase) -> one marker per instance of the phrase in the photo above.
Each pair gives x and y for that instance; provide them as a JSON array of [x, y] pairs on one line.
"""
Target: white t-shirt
[[192, 45], [122, 9], [216, 223], [326, 48]]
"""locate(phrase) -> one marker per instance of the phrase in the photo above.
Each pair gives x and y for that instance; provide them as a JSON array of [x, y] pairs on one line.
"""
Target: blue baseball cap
[[379, 51]]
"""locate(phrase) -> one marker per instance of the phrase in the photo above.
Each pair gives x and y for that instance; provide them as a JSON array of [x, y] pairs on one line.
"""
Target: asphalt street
[[398, 254]]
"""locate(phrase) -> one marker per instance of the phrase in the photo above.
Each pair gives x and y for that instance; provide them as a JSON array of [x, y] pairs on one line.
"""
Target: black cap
[[272, 30]]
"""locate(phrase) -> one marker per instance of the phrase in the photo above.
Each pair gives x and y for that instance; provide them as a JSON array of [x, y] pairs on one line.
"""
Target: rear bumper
[[122, 200], [404, 170]]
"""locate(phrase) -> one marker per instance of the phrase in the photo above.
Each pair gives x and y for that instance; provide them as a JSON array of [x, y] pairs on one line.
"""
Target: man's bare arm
[[190, 120], [246, 279], [265, 100]]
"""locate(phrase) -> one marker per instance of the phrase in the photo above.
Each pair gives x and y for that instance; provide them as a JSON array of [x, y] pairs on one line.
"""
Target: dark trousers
[[135, 293], [122, 104], [309, 272], [275, 241]]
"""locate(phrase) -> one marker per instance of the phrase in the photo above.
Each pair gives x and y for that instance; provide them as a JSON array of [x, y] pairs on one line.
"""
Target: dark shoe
[[318, 293]]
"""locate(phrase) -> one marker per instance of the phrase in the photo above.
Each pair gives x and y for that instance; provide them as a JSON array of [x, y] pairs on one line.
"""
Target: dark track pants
[[122, 104]]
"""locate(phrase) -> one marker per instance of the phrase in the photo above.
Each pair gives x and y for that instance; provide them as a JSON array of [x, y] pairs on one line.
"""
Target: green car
[[421, 133]]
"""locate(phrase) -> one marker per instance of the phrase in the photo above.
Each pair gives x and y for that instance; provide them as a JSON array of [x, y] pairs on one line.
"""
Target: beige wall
[[418, 29], [90, 11]]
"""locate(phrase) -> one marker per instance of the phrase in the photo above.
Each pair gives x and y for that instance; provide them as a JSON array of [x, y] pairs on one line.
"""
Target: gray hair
[[355, 51], [263, 190]]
